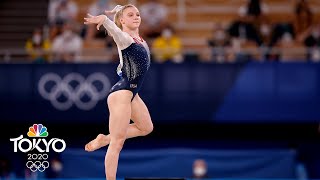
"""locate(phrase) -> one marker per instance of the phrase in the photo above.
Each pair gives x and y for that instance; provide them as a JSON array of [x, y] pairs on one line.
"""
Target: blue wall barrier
[[177, 162], [273, 92], [253, 92]]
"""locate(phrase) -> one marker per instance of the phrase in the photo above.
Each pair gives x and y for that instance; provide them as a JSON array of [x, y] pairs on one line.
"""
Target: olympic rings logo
[[37, 166], [73, 95]]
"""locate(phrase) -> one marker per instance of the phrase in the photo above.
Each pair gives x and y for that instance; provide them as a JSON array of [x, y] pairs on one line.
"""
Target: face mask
[[315, 33], [287, 38], [56, 166], [67, 33], [36, 39], [315, 56], [166, 33], [199, 171], [265, 30], [220, 35]]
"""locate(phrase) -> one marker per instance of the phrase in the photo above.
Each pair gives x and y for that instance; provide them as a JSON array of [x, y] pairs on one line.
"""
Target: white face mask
[[287, 38], [315, 56], [67, 33], [265, 30], [199, 171], [220, 35], [166, 33], [56, 166], [315, 33], [36, 39]]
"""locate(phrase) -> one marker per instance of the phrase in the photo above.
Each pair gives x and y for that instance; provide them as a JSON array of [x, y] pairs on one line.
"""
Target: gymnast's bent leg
[[140, 115], [119, 103], [142, 125]]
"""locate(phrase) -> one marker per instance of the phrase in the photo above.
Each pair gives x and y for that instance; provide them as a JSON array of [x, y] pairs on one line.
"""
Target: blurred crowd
[[277, 41], [62, 39], [252, 35]]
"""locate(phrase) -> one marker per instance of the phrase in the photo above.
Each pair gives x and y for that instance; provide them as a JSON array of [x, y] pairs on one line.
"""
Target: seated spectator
[[297, 28], [167, 47], [250, 30], [284, 47], [67, 46], [251, 23], [219, 42], [154, 15], [59, 12], [37, 47], [312, 42], [291, 34], [90, 31], [304, 19], [96, 8]]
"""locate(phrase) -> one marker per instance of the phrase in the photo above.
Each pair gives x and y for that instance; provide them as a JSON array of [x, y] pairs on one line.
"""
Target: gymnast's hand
[[114, 10], [95, 20]]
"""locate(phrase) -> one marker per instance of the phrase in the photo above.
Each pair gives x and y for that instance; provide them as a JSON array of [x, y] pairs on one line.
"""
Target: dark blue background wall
[[253, 92]]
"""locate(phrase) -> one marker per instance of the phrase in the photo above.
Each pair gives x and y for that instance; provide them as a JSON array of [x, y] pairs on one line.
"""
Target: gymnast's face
[[131, 18]]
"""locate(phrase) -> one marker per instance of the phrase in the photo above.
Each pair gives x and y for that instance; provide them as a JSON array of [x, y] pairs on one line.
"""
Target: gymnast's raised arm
[[122, 39]]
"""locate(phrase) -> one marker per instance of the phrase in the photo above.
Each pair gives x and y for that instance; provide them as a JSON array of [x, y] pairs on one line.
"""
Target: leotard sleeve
[[122, 39]]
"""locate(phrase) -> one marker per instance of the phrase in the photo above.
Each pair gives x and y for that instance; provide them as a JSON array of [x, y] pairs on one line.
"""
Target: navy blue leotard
[[136, 63], [134, 59]]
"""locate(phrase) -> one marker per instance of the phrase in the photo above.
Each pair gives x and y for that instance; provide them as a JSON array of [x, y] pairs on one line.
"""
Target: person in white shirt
[[67, 46], [152, 27], [61, 11], [96, 8], [123, 101]]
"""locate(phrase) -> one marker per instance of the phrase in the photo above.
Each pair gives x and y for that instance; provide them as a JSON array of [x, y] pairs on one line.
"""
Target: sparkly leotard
[[134, 59]]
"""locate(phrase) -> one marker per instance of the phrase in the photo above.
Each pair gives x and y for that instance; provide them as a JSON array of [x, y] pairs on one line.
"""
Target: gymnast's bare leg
[[119, 103], [142, 125]]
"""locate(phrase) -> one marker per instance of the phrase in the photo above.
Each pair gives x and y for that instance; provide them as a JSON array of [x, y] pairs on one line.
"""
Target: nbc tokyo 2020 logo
[[37, 133]]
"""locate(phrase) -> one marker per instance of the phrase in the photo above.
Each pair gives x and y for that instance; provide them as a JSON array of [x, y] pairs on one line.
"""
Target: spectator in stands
[[312, 42], [99, 7], [302, 23], [219, 42], [59, 12], [200, 169], [292, 34], [37, 46], [285, 48], [152, 27], [304, 19], [90, 31], [167, 47], [252, 19], [250, 30], [67, 46], [96, 8]]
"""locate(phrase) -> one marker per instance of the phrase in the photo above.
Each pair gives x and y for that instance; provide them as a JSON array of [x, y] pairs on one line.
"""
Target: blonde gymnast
[[123, 101]]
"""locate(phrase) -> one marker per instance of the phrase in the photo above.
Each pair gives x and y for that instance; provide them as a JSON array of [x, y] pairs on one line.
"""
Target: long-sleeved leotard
[[134, 59]]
